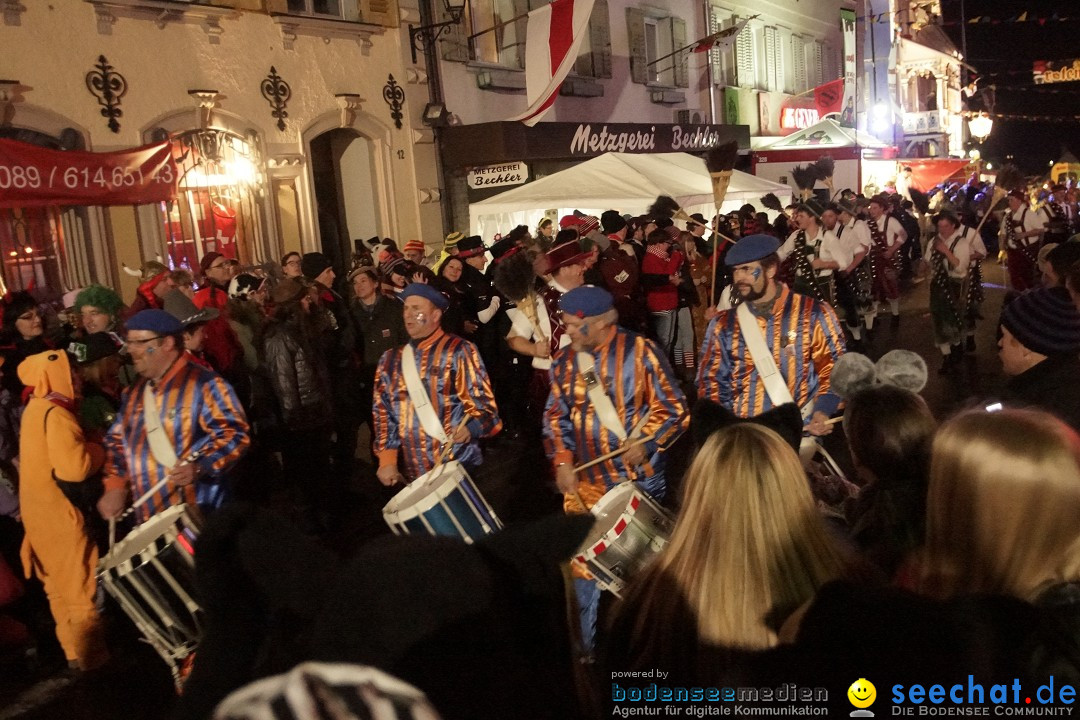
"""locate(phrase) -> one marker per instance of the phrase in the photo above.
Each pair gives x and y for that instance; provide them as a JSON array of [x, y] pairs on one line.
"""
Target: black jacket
[[299, 377], [380, 326], [1052, 386]]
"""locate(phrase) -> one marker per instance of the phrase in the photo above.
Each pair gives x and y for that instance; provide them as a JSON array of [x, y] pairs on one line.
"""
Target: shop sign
[[514, 173], [34, 176], [592, 139], [798, 118], [1047, 72]]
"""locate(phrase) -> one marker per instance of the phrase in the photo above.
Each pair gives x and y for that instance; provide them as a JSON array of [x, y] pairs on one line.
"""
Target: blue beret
[[751, 248], [155, 321], [586, 301], [427, 292]]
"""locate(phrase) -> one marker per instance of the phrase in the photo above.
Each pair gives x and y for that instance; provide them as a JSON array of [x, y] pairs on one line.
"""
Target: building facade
[[286, 118]]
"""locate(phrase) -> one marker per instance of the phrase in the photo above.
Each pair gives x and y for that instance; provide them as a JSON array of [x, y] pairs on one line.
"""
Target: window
[[505, 45], [722, 57], [320, 8], [652, 40], [594, 55]]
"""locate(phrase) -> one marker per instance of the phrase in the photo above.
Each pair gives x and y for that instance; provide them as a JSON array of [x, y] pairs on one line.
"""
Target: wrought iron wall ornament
[[395, 98], [277, 92], [108, 86]]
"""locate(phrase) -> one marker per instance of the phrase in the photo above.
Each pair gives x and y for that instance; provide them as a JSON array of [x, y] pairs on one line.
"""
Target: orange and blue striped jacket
[[640, 384], [203, 418], [806, 340], [457, 384]]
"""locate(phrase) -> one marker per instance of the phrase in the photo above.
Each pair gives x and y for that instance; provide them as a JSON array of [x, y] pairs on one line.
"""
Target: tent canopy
[[625, 182], [826, 134]]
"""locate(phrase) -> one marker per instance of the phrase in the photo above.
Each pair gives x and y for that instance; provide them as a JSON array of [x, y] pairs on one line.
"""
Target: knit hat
[[208, 260], [612, 221], [453, 239], [390, 262], [569, 221], [414, 246], [587, 224], [287, 290], [427, 292], [313, 264], [1045, 321]]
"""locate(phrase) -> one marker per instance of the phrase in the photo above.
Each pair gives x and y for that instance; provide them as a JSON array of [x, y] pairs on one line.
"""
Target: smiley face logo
[[862, 693]]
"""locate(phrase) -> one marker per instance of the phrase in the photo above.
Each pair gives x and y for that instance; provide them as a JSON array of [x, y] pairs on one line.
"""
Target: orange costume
[[56, 548]]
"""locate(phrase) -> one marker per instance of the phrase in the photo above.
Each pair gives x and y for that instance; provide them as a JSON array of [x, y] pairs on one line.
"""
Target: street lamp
[[423, 37], [980, 126]]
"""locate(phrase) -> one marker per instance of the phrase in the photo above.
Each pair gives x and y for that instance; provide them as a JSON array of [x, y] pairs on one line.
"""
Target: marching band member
[[888, 237], [609, 387], [432, 391], [1058, 214], [179, 422], [818, 254], [853, 283], [801, 337], [1023, 232], [951, 256]]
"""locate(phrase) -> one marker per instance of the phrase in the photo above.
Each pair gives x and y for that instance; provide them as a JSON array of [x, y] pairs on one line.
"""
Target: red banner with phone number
[[33, 176]]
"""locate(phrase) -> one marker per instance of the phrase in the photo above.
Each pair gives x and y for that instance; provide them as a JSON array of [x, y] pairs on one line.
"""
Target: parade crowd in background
[[618, 342]]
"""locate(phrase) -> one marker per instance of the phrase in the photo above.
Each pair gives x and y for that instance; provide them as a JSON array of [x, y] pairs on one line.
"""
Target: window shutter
[[600, 40], [774, 60], [744, 56], [379, 12], [682, 60], [798, 59], [455, 40], [818, 65], [635, 31], [714, 54]]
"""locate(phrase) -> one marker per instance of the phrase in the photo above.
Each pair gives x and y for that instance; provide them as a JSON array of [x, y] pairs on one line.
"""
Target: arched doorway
[[345, 176]]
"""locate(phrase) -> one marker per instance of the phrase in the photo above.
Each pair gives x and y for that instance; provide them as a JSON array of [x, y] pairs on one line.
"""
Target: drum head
[[608, 510], [143, 535], [426, 491]]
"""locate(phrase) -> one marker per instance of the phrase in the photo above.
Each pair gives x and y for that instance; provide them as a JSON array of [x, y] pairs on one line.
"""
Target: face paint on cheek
[[584, 328], [755, 273]]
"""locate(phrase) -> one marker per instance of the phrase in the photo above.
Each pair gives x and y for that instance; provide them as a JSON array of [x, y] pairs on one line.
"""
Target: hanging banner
[[1046, 72], [34, 176], [847, 25], [829, 98]]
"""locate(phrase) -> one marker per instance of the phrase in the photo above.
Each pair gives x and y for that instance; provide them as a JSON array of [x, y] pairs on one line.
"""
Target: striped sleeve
[[558, 429], [826, 348], [115, 471], [387, 435], [714, 373], [668, 414], [222, 419], [473, 388]]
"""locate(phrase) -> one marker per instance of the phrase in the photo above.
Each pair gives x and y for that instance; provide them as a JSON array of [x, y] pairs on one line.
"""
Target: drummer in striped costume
[[639, 386], [451, 375], [202, 425], [802, 335], [635, 396]]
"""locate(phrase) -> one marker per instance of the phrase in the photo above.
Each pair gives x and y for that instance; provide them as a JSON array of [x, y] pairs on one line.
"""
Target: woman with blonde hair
[[748, 549], [1003, 505]]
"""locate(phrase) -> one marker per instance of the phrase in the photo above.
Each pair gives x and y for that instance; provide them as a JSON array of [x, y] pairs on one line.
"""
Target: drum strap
[[160, 446], [594, 389], [420, 400], [775, 385]]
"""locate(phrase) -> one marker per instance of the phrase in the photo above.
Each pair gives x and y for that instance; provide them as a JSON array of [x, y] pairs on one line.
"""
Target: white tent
[[625, 182]]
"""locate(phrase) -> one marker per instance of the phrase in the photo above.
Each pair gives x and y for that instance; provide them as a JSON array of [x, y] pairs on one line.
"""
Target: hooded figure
[[56, 547]]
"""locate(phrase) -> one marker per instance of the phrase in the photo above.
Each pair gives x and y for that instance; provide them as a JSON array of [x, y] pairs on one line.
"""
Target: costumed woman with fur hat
[[56, 548]]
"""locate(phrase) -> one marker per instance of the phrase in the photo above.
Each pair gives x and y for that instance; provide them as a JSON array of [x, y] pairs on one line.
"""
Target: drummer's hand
[[112, 503], [462, 435], [388, 475], [818, 424], [634, 456], [183, 474], [566, 478]]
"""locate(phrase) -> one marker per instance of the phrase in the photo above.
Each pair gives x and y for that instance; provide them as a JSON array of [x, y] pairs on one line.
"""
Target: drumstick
[[614, 453], [450, 441], [833, 421]]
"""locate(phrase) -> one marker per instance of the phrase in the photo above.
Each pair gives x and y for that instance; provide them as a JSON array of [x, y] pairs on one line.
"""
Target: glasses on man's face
[[218, 267], [142, 343]]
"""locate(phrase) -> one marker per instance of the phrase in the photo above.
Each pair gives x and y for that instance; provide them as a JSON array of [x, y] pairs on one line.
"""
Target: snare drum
[[151, 574], [630, 528], [443, 501]]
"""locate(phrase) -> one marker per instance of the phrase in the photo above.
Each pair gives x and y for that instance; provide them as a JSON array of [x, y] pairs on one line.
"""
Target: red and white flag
[[723, 38], [552, 38]]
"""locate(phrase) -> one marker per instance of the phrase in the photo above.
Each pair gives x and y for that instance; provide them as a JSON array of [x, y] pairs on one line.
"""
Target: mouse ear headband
[[900, 368]]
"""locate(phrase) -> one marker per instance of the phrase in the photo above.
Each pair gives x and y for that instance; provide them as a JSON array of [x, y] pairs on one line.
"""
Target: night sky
[[1009, 49]]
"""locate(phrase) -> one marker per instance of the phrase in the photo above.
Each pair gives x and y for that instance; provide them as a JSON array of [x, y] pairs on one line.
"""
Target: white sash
[[420, 400], [523, 327], [775, 385], [161, 448], [605, 409]]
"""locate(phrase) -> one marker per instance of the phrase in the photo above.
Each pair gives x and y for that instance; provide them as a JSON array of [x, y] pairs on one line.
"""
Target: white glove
[[487, 313]]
